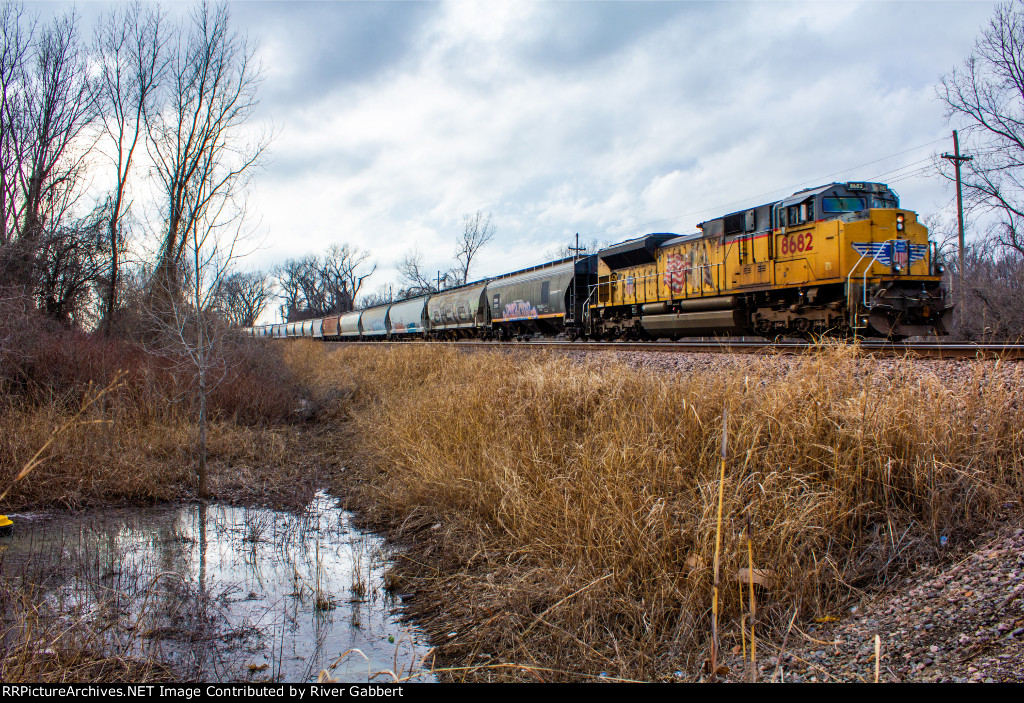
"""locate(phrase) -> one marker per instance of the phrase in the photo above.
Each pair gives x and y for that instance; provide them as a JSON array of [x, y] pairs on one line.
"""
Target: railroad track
[[926, 350]]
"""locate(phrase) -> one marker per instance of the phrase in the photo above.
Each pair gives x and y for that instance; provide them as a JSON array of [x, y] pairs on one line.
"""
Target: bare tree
[[187, 322], [196, 140], [415, 279], [314, 295], [46, 111], [243, 297], [16, 35], [986, 94], [344, 273], [382, 296], [994, 277], [71, 267], [313, 286], [128, 47], [477, 232], [57, 109], [288, 277]]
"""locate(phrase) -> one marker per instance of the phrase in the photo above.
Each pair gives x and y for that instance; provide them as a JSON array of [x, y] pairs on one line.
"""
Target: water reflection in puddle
[[224, 593]]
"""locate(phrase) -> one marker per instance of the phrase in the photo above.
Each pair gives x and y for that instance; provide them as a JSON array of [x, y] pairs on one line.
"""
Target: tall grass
[[136, 443], [589, 492]]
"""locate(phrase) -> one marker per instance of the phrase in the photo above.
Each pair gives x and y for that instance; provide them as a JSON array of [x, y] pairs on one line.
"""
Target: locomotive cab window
[[836, 205]]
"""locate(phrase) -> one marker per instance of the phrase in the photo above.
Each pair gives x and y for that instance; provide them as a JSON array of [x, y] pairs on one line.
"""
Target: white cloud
[[395, 120]]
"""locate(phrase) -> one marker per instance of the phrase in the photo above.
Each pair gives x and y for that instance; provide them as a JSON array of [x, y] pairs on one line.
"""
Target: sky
[[609, 119]]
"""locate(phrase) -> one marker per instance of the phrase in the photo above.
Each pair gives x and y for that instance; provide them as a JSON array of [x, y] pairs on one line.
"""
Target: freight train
[[843, 259]]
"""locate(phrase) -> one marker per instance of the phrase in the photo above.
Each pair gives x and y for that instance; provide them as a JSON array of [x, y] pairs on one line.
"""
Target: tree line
[[153, 109], [984, 97], [317, 285]]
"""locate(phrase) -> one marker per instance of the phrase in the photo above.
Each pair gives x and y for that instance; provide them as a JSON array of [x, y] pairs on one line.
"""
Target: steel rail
[[925, 350]]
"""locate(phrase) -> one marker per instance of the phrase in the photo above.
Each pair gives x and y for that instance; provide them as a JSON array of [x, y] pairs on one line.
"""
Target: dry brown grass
[[127, 461], [64, 444], [563, 515], [137, 443], [38, 648]]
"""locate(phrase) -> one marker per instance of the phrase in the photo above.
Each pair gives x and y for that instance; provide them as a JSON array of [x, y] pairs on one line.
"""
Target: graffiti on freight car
[[520, 310]]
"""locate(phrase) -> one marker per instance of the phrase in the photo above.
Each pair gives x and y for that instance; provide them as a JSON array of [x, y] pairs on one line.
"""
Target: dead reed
[[566, 513]]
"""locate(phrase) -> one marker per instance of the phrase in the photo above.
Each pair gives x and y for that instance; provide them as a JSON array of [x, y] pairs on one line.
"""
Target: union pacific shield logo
[[905, 253], [901, 253]]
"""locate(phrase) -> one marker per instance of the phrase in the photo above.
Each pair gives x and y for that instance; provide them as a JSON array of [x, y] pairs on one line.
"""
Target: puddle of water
[[224, 593]]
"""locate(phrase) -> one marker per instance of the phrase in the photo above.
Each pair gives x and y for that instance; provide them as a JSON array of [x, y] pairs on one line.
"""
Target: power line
[[901, 171], [787, 189]]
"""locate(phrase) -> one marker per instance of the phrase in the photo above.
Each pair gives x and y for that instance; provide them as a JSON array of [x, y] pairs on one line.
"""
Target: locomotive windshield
[[834, 205], [871, 195]]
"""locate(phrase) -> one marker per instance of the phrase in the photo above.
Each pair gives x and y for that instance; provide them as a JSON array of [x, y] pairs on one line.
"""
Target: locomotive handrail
[[586, 304], [849, 293], [864, 282]]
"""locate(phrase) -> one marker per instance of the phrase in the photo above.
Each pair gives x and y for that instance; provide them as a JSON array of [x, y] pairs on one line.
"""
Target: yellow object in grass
[[6, 526]]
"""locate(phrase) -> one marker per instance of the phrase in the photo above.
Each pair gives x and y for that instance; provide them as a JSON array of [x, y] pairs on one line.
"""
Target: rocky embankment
[[962, 622]]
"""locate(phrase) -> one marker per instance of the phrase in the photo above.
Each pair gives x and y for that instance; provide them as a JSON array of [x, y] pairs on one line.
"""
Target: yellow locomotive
[[838, 259]]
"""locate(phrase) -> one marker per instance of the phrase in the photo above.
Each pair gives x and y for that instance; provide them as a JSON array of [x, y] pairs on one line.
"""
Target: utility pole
[[577, 249], [957, 160]]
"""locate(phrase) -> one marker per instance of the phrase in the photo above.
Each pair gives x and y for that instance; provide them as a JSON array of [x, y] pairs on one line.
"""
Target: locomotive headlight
[[897, 268], [899, 222], [940, 269]]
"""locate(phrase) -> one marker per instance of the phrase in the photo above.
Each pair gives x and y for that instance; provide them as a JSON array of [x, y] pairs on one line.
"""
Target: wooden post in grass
[[753, 605], [718, 548]]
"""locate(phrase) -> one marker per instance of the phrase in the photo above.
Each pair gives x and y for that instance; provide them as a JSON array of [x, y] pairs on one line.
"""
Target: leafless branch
[[477, 232], [129, 46]]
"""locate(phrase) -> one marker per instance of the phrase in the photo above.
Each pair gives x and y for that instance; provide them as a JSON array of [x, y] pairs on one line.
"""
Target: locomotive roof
[[809, 193], [633, 252], [683, 238]]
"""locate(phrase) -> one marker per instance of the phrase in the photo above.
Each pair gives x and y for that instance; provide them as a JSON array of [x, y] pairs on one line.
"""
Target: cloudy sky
[[394, 120]]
